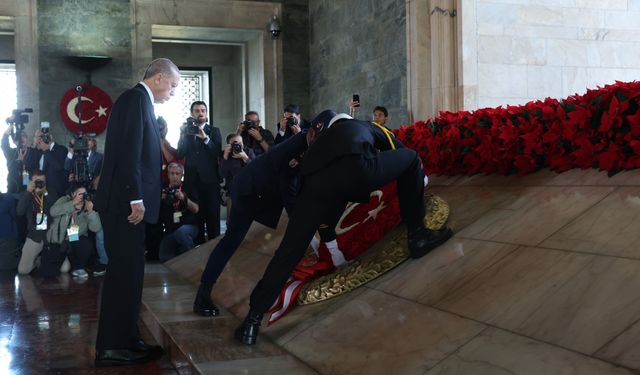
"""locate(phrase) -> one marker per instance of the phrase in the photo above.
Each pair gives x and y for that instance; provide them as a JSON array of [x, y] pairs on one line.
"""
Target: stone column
[[432, 57]]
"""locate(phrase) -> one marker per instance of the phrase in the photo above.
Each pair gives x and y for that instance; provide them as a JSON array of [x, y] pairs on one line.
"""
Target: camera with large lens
[[44, 128], [86, 196], [291, 121], [39, 184], [171, 193], [236, 147]]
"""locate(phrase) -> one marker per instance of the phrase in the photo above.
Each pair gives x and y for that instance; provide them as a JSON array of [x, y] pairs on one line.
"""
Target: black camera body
[[291, 121], [236, 147], [18, 118], [193, 125], [170, 192], [39, 184], [248, 124], [80, 166], [87, 196]]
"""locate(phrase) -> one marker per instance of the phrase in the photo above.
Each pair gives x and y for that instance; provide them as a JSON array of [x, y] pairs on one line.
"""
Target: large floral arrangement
[[600, 129]]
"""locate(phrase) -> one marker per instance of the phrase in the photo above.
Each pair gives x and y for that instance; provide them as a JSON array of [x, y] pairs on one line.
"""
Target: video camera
[[18, 118], [193, 125], [80, 165]]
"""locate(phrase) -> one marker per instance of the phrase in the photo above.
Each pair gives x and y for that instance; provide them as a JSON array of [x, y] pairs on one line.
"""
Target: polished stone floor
[[541, 277], [49, 327]]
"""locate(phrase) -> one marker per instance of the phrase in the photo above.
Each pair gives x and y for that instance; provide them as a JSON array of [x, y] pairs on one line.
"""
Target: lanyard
[[39, 200], [386, 132]]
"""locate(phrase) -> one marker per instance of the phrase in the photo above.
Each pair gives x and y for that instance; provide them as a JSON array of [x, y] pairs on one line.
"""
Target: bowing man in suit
[[259, 193], [128, 197], [347, 159], [200, 144], [48, 156]]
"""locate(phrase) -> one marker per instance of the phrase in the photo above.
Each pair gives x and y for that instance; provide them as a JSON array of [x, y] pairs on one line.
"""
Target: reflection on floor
[[49, 326], [541, 277]]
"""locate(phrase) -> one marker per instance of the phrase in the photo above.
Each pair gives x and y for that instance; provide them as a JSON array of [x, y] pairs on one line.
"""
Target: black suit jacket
[[258, 187], [345, 137], [200, 159], [132, 157], [53, 167]]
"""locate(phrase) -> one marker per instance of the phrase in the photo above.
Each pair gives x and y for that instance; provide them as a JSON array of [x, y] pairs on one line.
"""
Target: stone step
[[205, 345]]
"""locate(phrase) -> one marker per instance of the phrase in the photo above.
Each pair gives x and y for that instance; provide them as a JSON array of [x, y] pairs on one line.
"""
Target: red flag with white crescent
[[361, 226], [88, 112]]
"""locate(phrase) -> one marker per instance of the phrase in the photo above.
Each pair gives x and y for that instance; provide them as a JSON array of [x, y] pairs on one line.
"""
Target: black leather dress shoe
[[422, 241], [126, 357], [247, 333], [203, 305]]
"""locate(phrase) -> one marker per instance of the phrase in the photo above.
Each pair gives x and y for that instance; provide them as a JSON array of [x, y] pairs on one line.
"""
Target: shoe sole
[[206, 313], [435, 245], [247, 340]]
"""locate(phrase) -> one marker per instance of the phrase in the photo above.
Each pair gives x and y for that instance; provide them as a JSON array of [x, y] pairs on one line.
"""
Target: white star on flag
[[101, 111]]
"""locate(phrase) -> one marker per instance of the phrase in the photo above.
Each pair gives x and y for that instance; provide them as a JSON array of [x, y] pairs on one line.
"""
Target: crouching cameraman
[[178, 214], [73, 217]]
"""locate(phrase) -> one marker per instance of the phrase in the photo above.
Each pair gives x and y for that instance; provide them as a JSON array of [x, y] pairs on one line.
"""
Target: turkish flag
[[86, 111]]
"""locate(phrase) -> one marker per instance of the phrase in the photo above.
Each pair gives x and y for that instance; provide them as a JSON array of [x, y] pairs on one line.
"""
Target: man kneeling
[[178, 215]]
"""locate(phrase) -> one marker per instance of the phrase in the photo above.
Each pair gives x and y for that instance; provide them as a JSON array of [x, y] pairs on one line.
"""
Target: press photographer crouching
[[72, 219], [178, 215], [35, 204], [234, 158]]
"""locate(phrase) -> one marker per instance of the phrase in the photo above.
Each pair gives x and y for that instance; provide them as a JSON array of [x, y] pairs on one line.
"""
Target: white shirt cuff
[[281, 132], [69, 155], [136, 201], [207, 140]]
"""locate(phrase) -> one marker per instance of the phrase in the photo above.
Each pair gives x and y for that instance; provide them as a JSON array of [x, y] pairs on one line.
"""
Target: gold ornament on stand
[[373, 263]]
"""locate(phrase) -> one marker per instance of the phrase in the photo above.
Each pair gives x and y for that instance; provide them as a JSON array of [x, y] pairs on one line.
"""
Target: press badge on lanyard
[[41, 217], [72, 232], [25, 178]]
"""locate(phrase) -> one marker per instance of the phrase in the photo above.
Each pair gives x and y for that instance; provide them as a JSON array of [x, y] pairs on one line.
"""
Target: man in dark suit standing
[[128, 196], [347, 159], [200, 144], [48, 156]]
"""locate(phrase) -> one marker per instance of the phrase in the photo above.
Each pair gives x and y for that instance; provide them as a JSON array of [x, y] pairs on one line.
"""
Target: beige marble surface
[[536, 214], [377, 333], [497, 352], [274, 365], [509, 292], [591, 308], [427, 280], [611, 227], [624, 349]]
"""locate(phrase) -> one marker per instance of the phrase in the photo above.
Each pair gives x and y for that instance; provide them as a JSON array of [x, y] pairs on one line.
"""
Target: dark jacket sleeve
[[6, 148], [23, 203], [131, 148], [382, 138], [215, 142], [56, 158]]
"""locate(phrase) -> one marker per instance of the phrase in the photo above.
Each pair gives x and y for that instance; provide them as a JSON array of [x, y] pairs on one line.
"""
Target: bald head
[[162, 76]]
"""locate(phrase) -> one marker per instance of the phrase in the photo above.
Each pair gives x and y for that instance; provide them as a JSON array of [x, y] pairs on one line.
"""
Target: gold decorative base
[[372, 264]]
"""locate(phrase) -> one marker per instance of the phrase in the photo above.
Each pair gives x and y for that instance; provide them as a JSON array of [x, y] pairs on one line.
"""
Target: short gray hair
[[161, 65], [176, 165]]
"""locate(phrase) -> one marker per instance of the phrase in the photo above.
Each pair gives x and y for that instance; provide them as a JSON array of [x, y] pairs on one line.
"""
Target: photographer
[[94, 161], [18, 177], [49, 157], [178, 214], [200, 144], [380, 115], [234, 158], [72, 219], [35, 204], [290, 124], [253, 135]]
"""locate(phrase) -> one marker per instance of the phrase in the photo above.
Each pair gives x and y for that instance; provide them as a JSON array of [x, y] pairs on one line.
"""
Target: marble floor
[[542, 276]]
